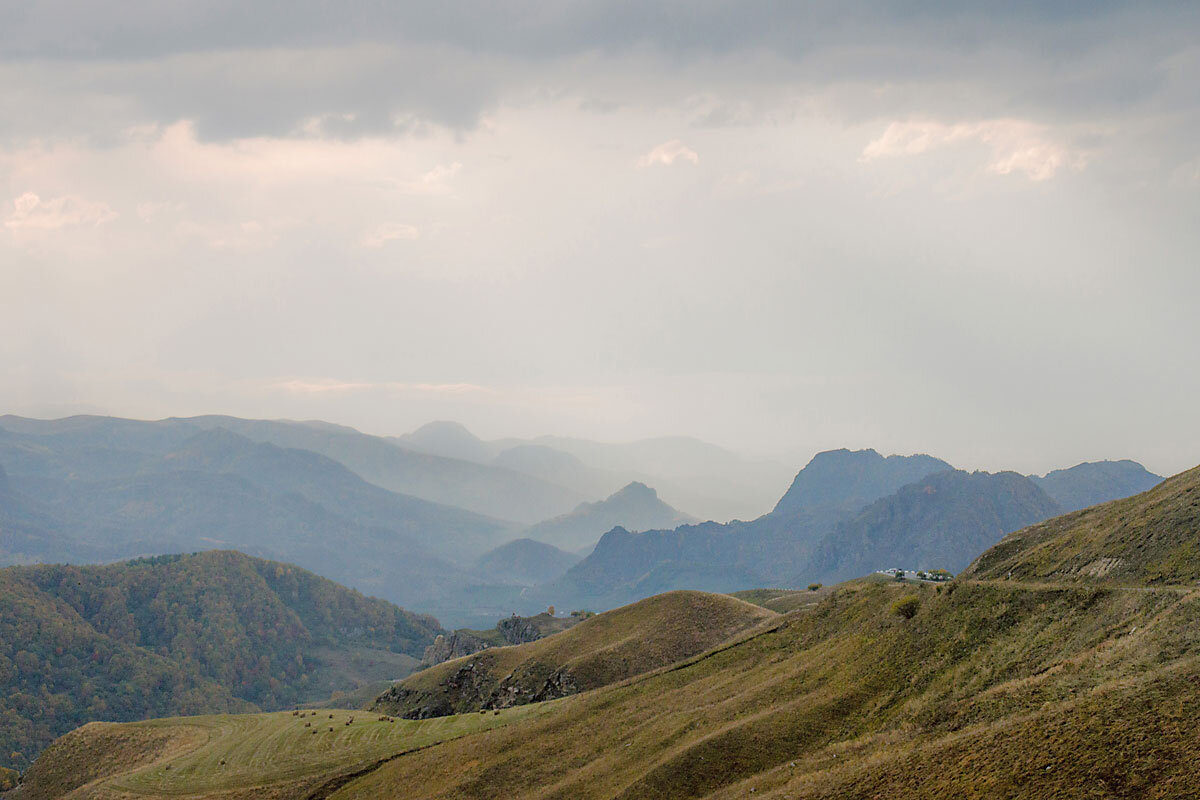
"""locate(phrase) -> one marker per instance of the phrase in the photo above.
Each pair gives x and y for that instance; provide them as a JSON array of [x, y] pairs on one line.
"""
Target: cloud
[[1017, 146], [668, 153], [334, 386], [323, 386], [390, 232], [31, 212], [446, 388]]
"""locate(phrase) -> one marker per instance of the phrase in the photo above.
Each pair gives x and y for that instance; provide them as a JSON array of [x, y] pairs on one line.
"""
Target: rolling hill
[[216, 631], [598, 651], [1150, 539], [990, 686]]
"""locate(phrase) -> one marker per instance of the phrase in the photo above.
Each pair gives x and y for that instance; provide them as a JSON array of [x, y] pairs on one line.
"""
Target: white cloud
[[390, 232], [1017, 146], [668, 153], [31, 212]]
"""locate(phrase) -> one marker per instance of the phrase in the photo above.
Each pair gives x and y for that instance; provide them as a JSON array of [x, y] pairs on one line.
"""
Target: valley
[[1009, 679]]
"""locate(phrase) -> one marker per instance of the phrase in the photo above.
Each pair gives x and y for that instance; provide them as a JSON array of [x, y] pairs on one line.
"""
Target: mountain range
[[847, 513], [89, 489], [635, 506], [710, 481], [1060, 663]]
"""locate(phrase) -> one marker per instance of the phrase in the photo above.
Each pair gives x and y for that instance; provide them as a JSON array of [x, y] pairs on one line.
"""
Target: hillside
[[1150, 539], [1096, 482], [600, 650], [526, 562], [827, 528], [978, 689], [278, 756], [942, 521], [508, 631], [213, 632], [636, 507]]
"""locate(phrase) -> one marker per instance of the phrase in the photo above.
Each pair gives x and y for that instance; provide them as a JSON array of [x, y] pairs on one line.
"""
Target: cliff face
[[509, 631], [456, 645]]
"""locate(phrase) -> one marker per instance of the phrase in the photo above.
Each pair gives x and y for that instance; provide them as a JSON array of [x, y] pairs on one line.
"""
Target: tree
[[812, 587]]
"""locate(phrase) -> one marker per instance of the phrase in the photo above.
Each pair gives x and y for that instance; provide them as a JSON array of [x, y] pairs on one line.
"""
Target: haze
[[777, 229]]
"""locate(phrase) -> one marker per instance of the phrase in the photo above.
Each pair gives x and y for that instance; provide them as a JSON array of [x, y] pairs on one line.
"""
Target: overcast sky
[[773, 225]]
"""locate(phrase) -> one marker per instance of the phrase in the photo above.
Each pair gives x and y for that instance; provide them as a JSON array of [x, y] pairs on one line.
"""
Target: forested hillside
[[206, 633]]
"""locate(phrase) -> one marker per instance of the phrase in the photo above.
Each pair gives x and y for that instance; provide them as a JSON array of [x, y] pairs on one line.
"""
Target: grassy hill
[[217, 631], [1058, 681], [600, 650], [1149, 539], [279, 755]]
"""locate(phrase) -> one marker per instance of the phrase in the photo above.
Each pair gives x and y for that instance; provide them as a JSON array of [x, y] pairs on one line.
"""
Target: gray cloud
[[241, 69], [923, 226]]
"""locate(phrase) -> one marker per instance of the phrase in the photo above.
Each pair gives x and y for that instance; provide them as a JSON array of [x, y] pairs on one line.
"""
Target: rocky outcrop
[[473, 687], [456, 645], [519, 630], [510, 631]]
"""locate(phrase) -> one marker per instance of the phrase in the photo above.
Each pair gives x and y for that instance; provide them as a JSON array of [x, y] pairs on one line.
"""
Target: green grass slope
[[600, 650], [1148, 539]]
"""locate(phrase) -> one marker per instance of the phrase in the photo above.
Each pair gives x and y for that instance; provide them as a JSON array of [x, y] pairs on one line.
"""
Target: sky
[[778, 226]]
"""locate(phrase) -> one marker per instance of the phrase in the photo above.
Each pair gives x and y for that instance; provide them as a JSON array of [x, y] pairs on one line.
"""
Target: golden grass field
[[239, 755]]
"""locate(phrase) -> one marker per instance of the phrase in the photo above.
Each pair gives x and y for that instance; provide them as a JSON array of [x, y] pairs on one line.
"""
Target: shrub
[[812, 587], [906, 606]]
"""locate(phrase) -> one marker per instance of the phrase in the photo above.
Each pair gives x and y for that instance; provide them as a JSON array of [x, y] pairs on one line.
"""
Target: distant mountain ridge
[[212, 489], [850, 479], [1149, 539], [828, 527], [703, 478], [526, 562], [1095, 482], [941, 521], [635, 506]]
